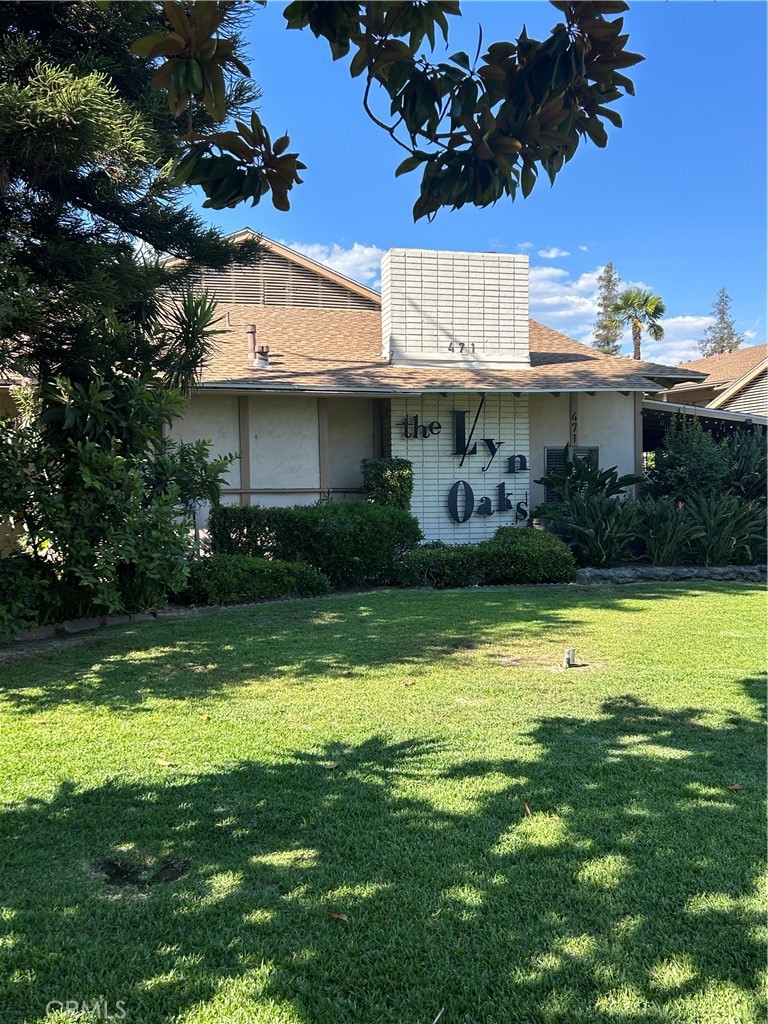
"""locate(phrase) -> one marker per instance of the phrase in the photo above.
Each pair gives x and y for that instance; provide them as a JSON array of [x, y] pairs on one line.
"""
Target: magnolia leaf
[[409, 164]]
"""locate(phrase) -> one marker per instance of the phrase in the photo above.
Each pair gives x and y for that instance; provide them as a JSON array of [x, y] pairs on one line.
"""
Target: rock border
[[664, 574]]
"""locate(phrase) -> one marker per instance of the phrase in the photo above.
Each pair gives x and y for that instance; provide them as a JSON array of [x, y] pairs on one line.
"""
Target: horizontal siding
[[275, 281], [752, 398], [436, 468]]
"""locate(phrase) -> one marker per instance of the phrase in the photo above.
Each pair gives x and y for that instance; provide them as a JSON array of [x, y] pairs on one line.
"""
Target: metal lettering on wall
[[461, 499]]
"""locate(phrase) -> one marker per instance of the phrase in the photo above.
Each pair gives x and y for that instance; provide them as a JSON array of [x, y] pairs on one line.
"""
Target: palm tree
[[641, 310]]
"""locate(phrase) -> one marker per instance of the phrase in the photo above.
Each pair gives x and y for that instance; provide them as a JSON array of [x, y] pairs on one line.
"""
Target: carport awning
[[657, 415]]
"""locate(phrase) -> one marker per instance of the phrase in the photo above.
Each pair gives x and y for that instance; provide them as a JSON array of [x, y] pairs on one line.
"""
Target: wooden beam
[[244, 431], [324, 453]]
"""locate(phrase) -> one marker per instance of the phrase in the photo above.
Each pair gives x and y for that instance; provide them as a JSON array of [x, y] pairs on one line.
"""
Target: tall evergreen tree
[[721, 336], [607, 335], [83, 142], [107, 334]]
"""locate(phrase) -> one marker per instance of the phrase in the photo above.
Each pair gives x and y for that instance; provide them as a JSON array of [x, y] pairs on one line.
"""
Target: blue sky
[[677, 201]]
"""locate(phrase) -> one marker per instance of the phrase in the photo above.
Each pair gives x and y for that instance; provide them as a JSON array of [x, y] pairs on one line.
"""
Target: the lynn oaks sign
[[470, 461]]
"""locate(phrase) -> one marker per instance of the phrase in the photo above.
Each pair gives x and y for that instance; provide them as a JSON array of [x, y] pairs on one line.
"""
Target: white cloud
[[749, 335], [553, 253], [525, 245], [360, 262], [565, 303], [680, 341], [584, 248]]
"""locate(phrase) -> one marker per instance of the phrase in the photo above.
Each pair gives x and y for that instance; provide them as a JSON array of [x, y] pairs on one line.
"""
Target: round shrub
[[240, 579], [517, 554]]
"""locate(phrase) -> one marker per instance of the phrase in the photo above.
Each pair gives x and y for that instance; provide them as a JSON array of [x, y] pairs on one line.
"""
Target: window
[[554, 460]]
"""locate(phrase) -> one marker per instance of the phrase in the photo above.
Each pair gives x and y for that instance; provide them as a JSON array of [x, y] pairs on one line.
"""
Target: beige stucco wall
[[212, 418], [352, 437], [284, 441], [285, 436], [605, 420], [281, 437]]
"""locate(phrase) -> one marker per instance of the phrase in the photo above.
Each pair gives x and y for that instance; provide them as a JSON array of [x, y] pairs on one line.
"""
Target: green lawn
[[187, 805]]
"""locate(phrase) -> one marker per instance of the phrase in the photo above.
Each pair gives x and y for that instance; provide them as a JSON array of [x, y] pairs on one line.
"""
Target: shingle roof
[[340, 350], [727, 367]]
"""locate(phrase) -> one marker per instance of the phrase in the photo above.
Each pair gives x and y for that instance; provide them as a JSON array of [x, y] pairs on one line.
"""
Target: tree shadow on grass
[[627, 892], [203, 657]]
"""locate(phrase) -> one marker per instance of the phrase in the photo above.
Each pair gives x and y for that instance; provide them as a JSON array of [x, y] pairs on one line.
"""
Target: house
[[314, 372], [725, 392]]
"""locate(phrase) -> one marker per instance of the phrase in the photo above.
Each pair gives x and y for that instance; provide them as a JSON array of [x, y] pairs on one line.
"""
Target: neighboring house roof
[[727, 367], [727, 375], [340, 350]]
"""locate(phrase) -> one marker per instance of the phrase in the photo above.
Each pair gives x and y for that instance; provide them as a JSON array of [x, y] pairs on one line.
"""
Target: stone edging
[[653, 573]]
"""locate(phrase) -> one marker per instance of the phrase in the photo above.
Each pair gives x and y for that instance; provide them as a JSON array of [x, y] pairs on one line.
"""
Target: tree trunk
[[636, 340]]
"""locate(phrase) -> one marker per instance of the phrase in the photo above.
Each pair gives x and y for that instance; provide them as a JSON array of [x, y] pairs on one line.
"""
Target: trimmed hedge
[[240, 579], [522, 555], [388, 482], [513, 555], [353, 543], [440, 566]]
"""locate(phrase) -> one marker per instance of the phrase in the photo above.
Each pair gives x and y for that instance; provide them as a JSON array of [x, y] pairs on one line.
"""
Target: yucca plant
[[747, 471], [730, 530], [601, 530], [667, 531]]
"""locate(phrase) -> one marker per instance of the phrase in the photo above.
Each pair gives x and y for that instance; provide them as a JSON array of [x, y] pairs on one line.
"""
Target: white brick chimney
[[466, 309]]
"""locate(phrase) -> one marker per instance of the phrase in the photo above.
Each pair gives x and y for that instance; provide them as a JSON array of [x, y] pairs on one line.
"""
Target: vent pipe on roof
[[262, 356], [250, 334]]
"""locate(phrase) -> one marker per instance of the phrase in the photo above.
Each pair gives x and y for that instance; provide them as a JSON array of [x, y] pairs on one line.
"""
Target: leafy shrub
[[689, 462], [747, 464], [388, 482], [240, 579], [666, 530], [33, 593], [440, 567], [583, 476], [512, 555], [729, 529], [353, 543], [516, 554], [601, 529], [93, 484]]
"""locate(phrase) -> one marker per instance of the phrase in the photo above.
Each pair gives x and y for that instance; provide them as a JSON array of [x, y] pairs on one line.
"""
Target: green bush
[[388, 482], [353, 543], [517, 554], [602, 530], [513, 555], [747, 464], [440, 566], [666, 531], [689, 462], [33, 593], [729, 529], [240, 579]]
